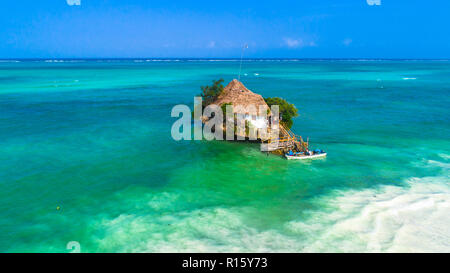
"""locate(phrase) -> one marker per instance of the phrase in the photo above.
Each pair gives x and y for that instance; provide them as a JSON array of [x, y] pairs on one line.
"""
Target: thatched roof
[[237, 94]]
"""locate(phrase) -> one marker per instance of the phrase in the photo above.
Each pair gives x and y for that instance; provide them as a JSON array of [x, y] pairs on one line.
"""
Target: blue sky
[[214, 29]]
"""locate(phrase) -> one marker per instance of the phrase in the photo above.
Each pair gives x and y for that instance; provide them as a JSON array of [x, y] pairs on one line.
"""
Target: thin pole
[[240, 66]]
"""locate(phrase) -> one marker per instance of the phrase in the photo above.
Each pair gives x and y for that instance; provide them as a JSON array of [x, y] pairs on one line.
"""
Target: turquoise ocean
[[87, 155]]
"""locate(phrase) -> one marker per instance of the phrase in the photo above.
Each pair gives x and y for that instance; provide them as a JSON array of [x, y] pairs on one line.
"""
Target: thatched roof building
[[243, 100], [238, 95]]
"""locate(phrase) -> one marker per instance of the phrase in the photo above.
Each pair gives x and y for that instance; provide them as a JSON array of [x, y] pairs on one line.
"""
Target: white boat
[[289, 157]]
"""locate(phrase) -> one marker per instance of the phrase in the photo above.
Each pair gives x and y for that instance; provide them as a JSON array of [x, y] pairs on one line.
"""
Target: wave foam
[[411, 218], [390, 219]]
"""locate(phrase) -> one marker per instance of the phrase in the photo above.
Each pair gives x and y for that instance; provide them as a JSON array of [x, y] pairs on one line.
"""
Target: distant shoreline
[[213, 59]]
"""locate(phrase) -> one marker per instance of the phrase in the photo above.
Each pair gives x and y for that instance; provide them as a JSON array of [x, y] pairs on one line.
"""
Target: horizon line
[[218, 58]]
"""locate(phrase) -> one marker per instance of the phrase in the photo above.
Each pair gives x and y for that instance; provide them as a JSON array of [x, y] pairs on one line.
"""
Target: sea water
[[87, 156]]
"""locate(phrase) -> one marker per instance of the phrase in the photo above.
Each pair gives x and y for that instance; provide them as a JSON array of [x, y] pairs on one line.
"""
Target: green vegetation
[[288, 111], [210, 93], [224, 110]]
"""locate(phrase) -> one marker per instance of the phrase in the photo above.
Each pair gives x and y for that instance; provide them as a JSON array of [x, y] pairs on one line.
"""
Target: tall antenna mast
[[240, 65]]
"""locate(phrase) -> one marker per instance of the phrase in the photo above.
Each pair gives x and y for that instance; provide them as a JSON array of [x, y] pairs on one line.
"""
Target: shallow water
[[93, 138]]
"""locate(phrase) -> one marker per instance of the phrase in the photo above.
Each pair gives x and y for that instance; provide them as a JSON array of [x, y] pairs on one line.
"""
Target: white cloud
[[347, 41], [211, 44], [298, 43], [292, 42], [73, 2], [374, 2]]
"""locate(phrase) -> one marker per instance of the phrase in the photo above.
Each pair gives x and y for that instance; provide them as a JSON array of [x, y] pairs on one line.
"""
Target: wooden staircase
[[284, 140]]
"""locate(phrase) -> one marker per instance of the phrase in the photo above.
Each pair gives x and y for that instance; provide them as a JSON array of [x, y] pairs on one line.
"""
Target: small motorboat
[[308, 155]]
